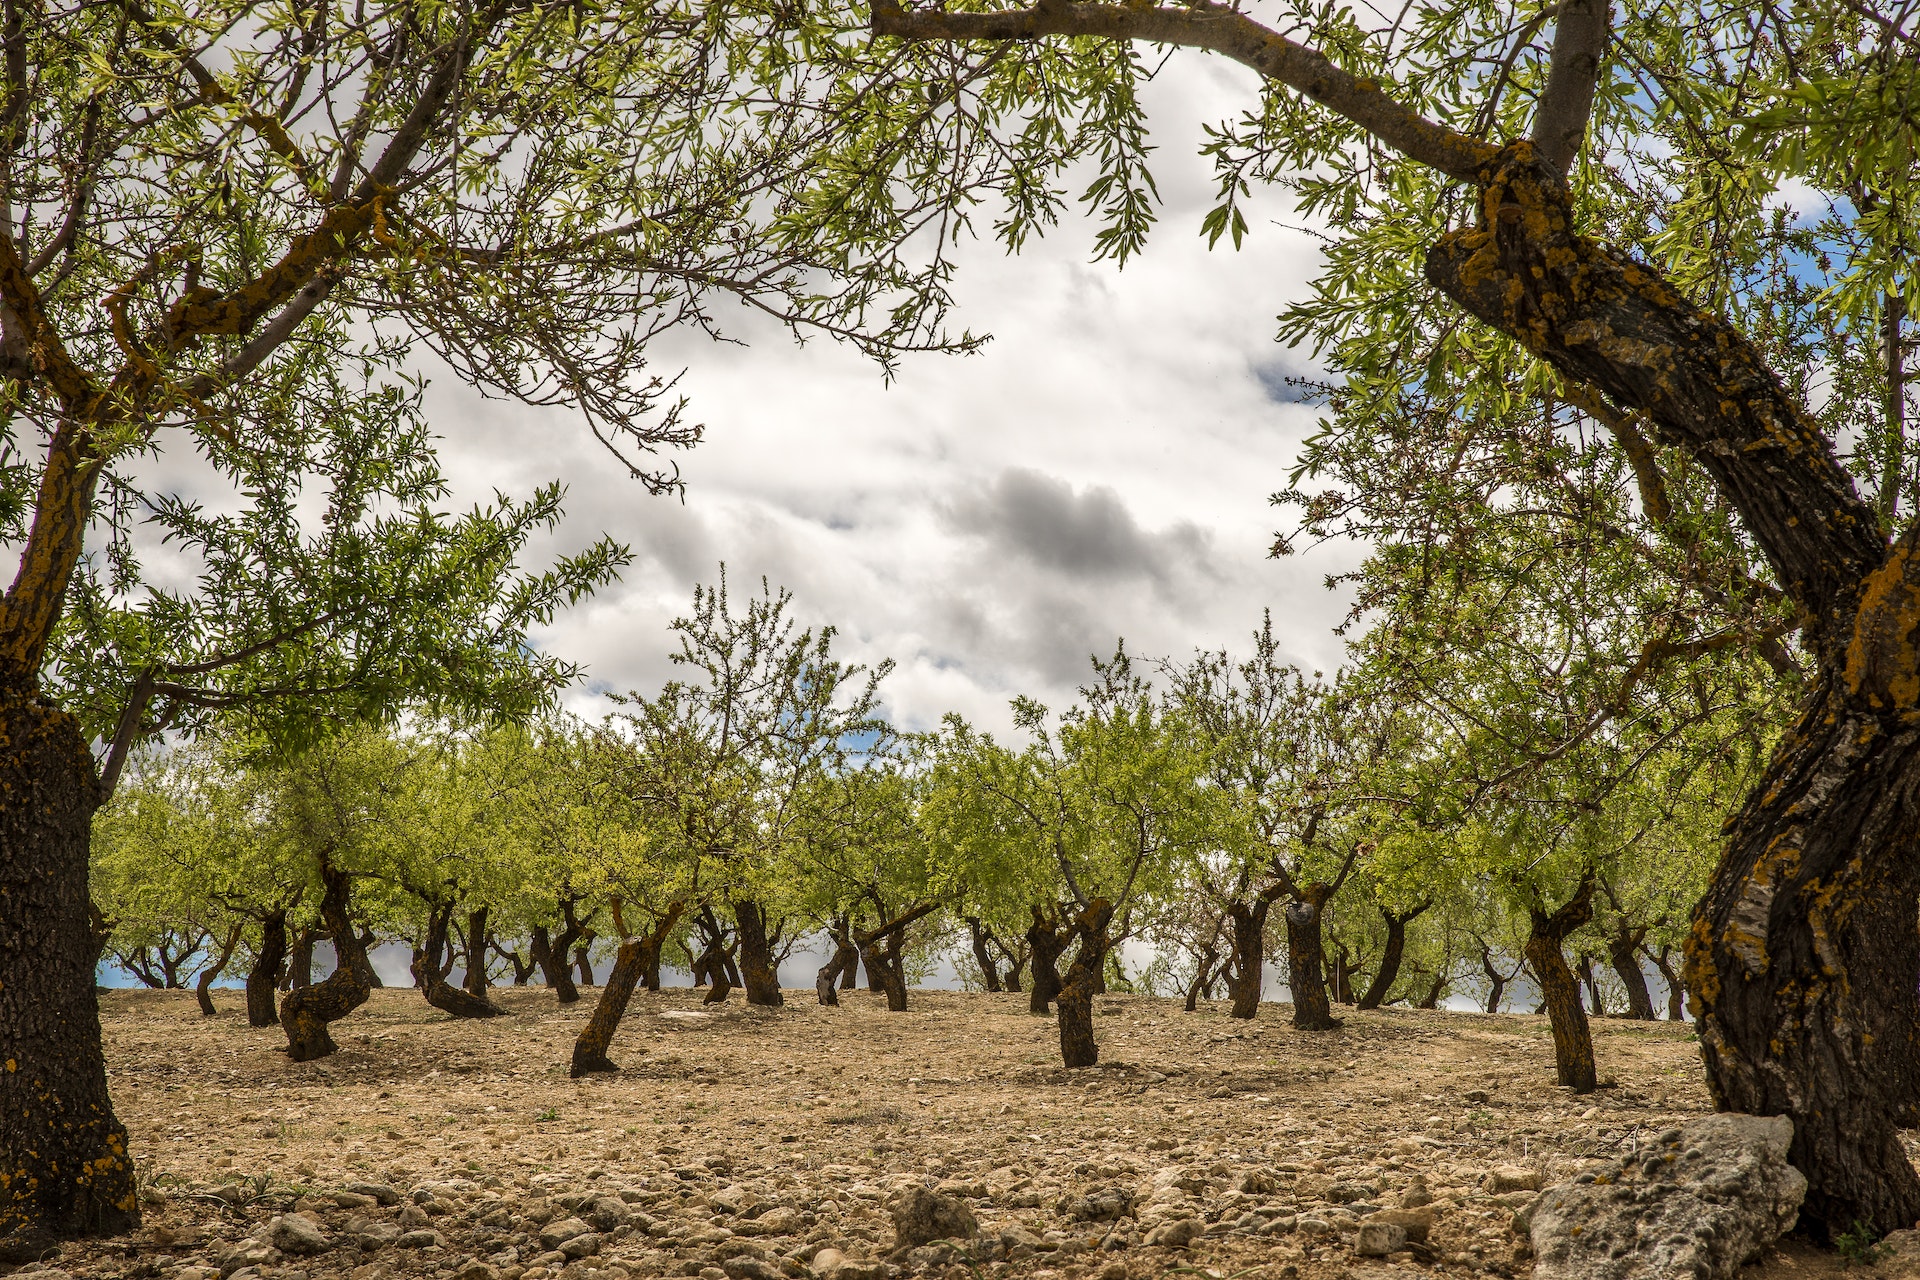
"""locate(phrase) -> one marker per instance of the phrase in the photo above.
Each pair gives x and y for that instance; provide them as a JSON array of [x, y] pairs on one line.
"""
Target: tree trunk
[[429, 972], [1045, 941], [1572, 1037], [368, 940], [982, 938], [202, 984], [629, 967], [1801, 965], [265, 974], [759, 972], [476, 983], [300, 962], [1804, 955], [1676, 993], [1249, 953], [1075, 1001], [583, 957], [1383, 978], [1623, 956], [1305, 961], [1496, 981], [1343, 967], [67, 1172], [1592, 984], [306, 1012], [551, 955], [1016, 957], [1431, 1000]]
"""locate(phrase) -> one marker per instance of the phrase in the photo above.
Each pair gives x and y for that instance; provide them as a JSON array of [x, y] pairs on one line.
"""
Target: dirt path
[[737, 1143]]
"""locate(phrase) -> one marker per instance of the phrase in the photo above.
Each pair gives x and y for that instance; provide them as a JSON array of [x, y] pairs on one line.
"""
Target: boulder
[[1504, 1178], [555, 1234], [1697, 1204], [420, 1239], [295, 1233], [921, 1216], [584, 1245]]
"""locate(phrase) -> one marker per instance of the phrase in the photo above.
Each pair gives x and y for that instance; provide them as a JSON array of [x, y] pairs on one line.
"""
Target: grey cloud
[[1084, 534]]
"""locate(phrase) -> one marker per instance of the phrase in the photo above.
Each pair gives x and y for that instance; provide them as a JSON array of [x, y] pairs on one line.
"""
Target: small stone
[[779, 1221], [1176, 1235], [421, 1238], [921, 1216], [296, 1234], [828, 1262], [1378, 1239], [379, 1191], [1417, 1223], [555, 1234], [581, 1246], [248, 1253], [1900, 1256], [1312, 1227], [1349, 1192], [1114, 1271], [1510, 1177], [1108, 1204], [476, 1270], [862, 1270], [353, 1200]]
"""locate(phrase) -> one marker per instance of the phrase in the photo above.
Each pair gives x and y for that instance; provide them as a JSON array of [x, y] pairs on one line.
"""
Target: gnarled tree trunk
[[429, 972], [1396, 947], [759, 973], [982, 939], [476, 983], [1804, 956], [264, 977], [629, 965], [1249, 953], [1045, 941], [64, 1167], [1306, 961], [1572, 1037], [306, 1012], [1075, 1001], [203, 984], [1623, 956]]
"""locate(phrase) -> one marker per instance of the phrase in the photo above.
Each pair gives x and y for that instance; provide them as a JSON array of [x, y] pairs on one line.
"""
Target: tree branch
[[1566, 104], [1214, 27]]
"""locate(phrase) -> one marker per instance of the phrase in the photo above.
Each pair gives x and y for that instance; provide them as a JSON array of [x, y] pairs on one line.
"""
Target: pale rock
[[1510, 1177], [296, 1234], [749, 1268], [782, 1220], [1899, 1256], [828, 1262], [1703, 1201], [1312, 1227], [248, 1253], [1378, 1239], [1417, 1223], [555, 1234]]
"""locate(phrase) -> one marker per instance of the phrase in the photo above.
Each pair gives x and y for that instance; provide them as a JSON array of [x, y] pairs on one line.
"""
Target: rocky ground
[[750, 1144]]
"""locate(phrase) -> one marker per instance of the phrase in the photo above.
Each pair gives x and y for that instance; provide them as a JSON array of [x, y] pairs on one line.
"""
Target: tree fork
[[1572, 1037]]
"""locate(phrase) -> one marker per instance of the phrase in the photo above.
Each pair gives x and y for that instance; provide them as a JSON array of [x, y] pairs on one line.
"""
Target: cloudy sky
[[988, 522]]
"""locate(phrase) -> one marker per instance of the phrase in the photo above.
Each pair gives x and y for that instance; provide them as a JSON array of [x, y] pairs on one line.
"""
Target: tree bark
[[1592, 984], [203, 984], [759, 973], [1389, 970], [1075, 1001], [583, 957], [368, 940], [1572, 1037], [264, 978], [1496, 981], [1623, 956], [300, 962], [429, 973], [1676, 992], [1045, 942], [64, 1166], [1306, 974], [1249, 953], [629, 967], [982, 938], [476, 983], [551, 955], [305, 1013]]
